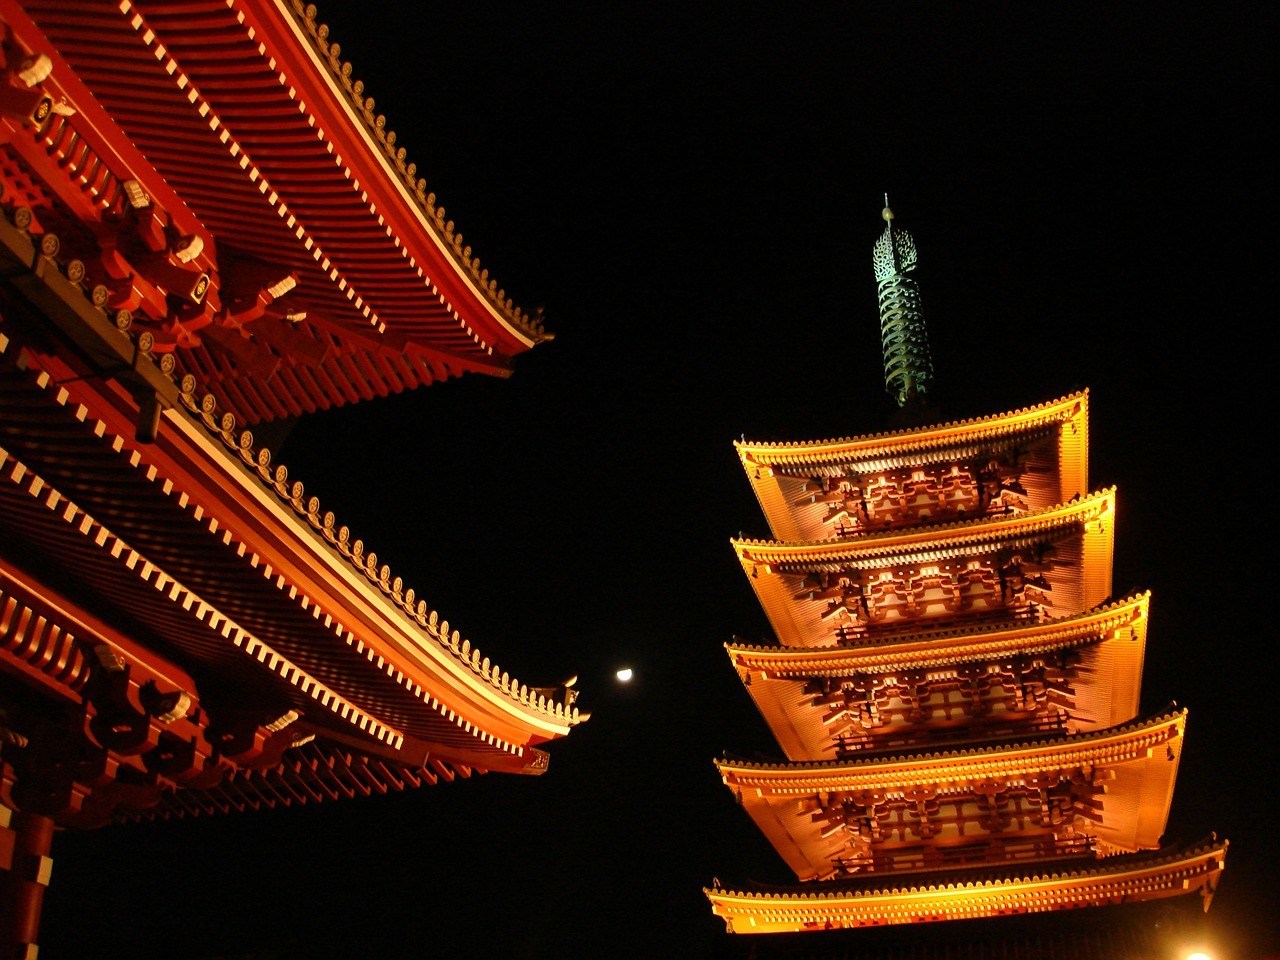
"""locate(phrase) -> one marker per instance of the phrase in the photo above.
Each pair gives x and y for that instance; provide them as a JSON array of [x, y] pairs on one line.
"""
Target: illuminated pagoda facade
[[954, 686], [205, 229]]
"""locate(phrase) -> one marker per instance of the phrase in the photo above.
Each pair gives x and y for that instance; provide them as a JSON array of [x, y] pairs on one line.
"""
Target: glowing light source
[[626, 673], [1198, 956]]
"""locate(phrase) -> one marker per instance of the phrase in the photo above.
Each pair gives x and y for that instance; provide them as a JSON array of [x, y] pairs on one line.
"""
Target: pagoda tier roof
[[175, 762], [218, 560], [1137, 762], [242, 125], [1053, 438], [1080, 532], [1111, 639], [924, 544], [974, 893]]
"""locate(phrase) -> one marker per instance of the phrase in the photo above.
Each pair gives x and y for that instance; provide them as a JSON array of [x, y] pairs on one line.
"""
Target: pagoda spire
[[908, 369]]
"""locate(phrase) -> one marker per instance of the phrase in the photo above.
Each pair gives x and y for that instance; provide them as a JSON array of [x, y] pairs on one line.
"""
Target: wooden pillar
[[24, 873]]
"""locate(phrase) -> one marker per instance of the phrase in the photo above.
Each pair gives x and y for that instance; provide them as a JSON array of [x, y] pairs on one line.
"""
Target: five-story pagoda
[[954, 686]]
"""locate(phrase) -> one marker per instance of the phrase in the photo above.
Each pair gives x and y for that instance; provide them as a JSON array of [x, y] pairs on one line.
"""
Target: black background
[[693, 193]]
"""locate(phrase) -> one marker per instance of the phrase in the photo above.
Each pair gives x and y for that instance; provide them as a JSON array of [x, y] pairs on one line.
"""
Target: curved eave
[[151, 598], [924, 543], [1055, 434], [344, 117], [1071, 412], [1112, 638], [943, 648], [279, 158], [246, 512], [371, 608], [50, 643], [921, 899], [1138, 762], [1083, 528], [1121, 744]]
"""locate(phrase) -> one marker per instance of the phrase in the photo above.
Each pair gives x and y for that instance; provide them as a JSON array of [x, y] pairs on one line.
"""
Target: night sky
[[692, 194]]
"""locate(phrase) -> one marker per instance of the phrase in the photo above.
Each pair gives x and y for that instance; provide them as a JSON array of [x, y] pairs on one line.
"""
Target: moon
[[625, 674]]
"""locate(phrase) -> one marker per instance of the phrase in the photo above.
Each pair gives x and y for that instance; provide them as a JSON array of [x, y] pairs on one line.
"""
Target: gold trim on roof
[[942, 647], [974, 894], [1095, 507], [429, 621], [451, 239], [1128, 741], [45, 494], [848, 449]]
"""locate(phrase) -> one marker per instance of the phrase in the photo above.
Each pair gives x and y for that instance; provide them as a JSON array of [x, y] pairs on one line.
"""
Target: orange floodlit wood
[[204, 226], [953, 685], [1108, 790], [1055, 561], [966, 895], [1029, 458], [314, 267], [1072, 674]]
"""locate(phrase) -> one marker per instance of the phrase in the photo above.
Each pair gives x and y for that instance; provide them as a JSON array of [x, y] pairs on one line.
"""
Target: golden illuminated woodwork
[[286, 293], [1072, 674], [953, 686], [142, 525], [929, 808], [1018, 889], [1014, 462], [204, 224], [1053, 562]]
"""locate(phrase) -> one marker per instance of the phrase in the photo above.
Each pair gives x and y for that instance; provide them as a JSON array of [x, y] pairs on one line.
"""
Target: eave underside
[[1027, 471], [1081, 673], [998, 571], [202, 100], [314, 772], [100, 729], [196, 591], [262, 653], [881, 449], [1111, 789], [1049, 442]]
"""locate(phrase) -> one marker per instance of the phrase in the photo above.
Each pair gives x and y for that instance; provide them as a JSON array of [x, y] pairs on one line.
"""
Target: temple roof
[[1138, 761], [216, 555], [923, 544], [926, 649], [886, 771], [915, 444], [1053, 437], [1110, 640], [241, 120], [1080, 533], [973, 893]]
